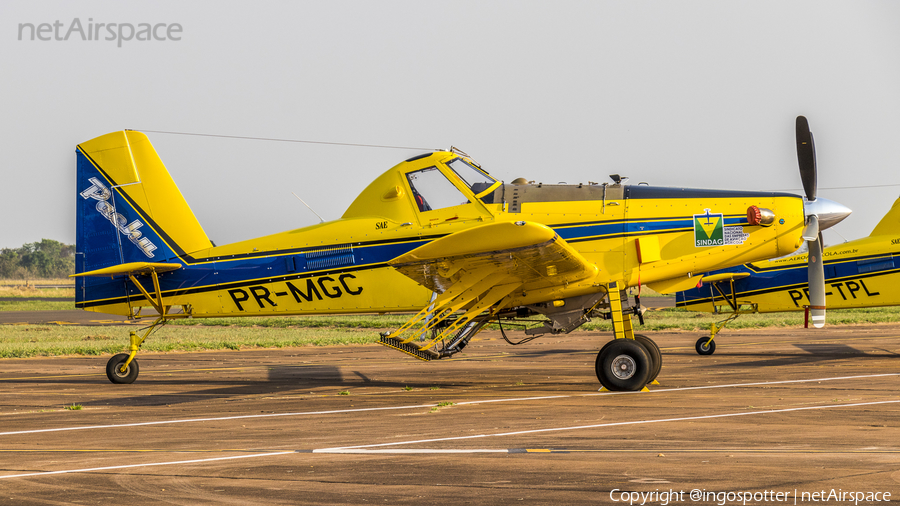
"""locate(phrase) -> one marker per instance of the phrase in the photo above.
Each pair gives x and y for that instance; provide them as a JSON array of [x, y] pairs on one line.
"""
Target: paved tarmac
[[791, 411]]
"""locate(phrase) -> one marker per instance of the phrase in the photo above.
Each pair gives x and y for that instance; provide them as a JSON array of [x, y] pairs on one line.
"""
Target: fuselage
[[633, 234]]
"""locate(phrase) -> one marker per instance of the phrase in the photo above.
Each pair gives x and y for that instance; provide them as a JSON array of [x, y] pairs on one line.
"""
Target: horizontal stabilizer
[[725, 276], [129, 268]]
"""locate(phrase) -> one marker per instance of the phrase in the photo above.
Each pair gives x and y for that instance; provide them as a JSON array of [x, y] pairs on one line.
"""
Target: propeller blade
[[811, 230], [816, 276], [806, 157]]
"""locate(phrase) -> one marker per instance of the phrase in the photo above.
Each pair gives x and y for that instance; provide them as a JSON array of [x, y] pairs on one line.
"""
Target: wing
[[529, 254], [476, 269]]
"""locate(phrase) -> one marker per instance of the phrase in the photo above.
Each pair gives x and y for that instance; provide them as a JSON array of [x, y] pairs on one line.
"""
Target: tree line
[[46, 259]]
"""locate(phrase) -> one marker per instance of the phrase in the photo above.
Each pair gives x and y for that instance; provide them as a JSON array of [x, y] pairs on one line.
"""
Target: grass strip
[[311, 322], [36, 281], [35, 305], [21, 291], [18, 341]]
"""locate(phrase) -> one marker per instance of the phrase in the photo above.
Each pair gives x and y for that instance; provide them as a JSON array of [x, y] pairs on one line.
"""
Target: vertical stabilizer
[[890, 224], [128, 208]]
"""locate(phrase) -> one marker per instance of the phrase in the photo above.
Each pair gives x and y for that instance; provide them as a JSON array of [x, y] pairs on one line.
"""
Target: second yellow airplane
[[857, 274]]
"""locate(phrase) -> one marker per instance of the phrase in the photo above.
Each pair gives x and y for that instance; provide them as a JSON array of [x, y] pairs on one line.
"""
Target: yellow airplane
[[857, 274], [435, 235]]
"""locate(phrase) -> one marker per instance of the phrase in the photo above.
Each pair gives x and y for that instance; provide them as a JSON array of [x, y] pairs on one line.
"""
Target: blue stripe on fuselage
[[218, 274], [762, 281]]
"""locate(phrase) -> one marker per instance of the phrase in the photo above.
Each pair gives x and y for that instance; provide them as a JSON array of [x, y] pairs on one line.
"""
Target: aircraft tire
[[654, 354], [623, 365], [116, 376], [704, 349]]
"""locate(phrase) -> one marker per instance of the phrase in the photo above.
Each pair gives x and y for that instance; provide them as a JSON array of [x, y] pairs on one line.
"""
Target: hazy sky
[[675, 93]]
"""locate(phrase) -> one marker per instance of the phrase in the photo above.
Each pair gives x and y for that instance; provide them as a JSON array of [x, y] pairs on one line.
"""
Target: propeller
[[820, 214]]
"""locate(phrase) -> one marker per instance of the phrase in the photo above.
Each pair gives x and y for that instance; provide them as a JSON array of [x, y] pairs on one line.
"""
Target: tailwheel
[[114, 369], [623, 365], [654, 354], [705, 346]]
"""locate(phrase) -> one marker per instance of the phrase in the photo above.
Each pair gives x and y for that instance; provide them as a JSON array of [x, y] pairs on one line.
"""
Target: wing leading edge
[[476, 270], [531, 253]]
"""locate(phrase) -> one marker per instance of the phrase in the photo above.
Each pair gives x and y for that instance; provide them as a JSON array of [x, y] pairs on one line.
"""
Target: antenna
[[307, 205], [838, 233], [454, 149]]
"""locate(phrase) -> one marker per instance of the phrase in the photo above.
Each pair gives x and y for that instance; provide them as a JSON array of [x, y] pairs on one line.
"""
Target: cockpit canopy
[[432, 189], [432, 182]]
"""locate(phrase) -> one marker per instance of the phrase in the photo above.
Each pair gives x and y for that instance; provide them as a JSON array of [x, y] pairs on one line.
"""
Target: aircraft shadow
[[813, 353], [281, 380], [541, 353]]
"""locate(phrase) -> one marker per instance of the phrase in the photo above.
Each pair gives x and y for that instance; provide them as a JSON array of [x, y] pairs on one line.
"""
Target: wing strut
[[158, 302], [732, 302]]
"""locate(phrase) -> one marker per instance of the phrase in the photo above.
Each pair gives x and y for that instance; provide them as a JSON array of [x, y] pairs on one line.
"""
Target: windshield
[[432, 190], [476, 179]]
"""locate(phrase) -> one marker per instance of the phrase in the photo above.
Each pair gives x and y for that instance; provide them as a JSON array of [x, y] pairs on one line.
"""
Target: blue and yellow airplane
[[859, 273], [435, 235]]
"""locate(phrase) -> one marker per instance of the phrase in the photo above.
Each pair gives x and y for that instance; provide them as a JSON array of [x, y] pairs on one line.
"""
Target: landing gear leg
[[123, 368], [706, 345], [629, 361]]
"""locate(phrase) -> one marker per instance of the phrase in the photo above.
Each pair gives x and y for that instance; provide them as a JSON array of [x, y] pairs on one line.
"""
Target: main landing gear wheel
[[114, 369], [654, 354], [705, 346], [623, 365]]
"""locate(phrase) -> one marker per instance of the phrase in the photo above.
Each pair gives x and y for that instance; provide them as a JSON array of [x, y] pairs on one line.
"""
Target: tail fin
[[128, 207], [890, 224]]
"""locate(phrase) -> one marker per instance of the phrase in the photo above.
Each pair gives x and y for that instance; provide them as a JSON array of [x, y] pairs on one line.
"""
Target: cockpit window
[[432, 190], [476, 179]]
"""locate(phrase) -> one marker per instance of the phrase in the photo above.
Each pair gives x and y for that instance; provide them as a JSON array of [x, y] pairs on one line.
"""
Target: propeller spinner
[[820, 214]]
